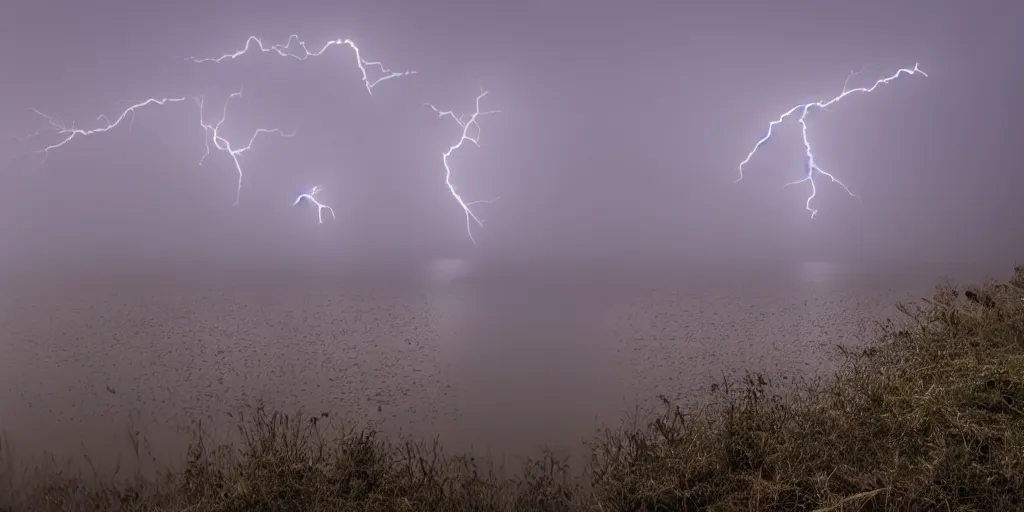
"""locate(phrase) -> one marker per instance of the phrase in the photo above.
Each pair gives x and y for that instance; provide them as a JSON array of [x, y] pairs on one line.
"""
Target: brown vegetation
[[930, 416]]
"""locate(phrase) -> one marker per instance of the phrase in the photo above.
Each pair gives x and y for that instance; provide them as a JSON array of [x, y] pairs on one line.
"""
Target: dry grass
[[930, 416]]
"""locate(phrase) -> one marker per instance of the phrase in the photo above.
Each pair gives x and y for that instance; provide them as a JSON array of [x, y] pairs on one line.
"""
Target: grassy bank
[[930, 415]]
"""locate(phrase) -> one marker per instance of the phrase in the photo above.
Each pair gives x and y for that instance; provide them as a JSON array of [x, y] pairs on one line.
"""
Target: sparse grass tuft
[[930, 416]]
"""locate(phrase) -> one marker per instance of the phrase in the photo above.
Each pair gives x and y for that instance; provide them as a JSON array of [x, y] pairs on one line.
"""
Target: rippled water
[[497, 363]]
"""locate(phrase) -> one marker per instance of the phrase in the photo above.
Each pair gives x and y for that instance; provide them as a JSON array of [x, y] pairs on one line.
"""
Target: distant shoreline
[[418, 271]]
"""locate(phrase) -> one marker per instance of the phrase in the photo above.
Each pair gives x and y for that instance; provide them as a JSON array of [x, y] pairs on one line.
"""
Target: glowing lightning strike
[[70, 132], [320, 207], [284, 50], [213, 133], [466, 123], [804, 109]]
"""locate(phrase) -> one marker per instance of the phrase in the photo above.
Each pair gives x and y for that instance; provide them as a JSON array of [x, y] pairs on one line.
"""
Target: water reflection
[[447, 296], [447, 270], [820, 272], [528, 361]]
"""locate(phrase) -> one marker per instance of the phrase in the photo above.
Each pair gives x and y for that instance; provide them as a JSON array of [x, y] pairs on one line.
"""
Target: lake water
[[500, 363]]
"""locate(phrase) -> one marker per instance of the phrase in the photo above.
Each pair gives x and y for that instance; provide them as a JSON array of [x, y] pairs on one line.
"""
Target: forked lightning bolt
[[212, 132], [320, 207], [285, 50], [68, 133], [811, 166], [470, 133]]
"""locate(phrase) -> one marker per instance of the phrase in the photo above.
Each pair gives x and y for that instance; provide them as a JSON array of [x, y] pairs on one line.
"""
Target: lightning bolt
[[811, 166], [212, 132], [320, 207], [285, 50], [467, 123], [69, 133]]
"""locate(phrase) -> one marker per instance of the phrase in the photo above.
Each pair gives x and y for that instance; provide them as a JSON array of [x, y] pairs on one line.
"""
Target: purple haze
[[619, 138]]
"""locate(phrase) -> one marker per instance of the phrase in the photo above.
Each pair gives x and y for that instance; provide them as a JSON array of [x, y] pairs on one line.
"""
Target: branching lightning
[[285, 50], [301, 52], [320, 207], [68, 133], [212, 132], [372, 74], [470, 133], [811, 166]]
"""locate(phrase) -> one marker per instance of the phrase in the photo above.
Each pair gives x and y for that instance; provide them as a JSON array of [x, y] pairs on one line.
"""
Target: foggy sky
[[621, 130]]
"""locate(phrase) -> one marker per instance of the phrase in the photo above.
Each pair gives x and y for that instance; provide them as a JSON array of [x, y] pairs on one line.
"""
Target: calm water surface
[[499, 363]]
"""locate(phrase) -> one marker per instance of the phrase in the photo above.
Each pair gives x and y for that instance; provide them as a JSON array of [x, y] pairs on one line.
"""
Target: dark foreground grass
[[930, 416]]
